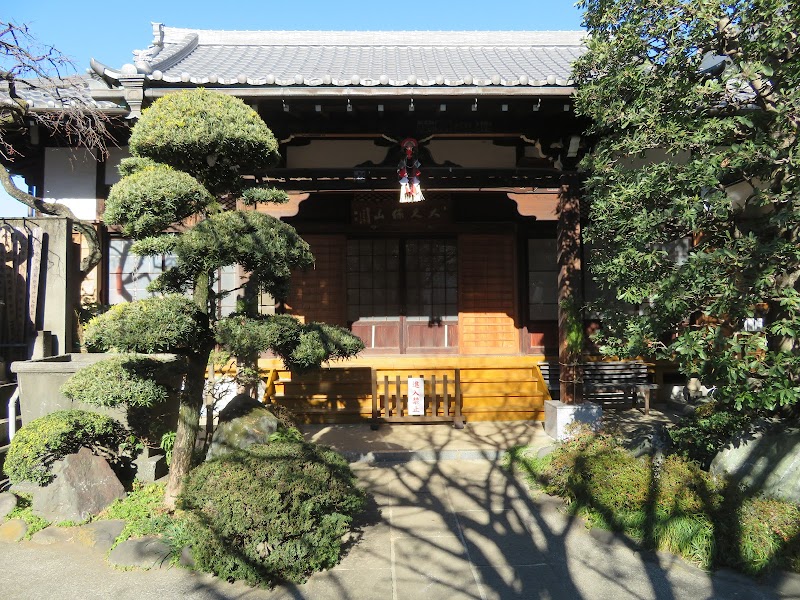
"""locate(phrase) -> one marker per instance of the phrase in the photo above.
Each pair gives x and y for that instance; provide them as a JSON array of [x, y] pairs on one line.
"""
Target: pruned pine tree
[[190, 151], [694, 188]]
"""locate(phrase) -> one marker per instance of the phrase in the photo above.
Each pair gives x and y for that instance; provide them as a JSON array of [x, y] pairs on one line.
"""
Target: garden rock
[[8, 502], [100, 535], [84, 485], [150, 468], [148, 552], [53, 535], [13, 530], [765, 462], [647, 441], [242, 423]]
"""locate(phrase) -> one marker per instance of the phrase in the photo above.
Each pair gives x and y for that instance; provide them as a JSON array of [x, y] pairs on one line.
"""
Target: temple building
[[434, 175]]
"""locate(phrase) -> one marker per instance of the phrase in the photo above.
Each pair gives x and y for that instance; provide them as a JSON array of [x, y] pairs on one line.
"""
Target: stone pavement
[[451, 528]]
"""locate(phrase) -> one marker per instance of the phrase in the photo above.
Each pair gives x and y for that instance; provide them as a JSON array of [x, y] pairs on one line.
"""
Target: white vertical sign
[[416, 396]]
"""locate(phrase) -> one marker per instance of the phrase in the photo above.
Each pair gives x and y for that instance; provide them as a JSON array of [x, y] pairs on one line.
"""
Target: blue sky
[[110, 31]]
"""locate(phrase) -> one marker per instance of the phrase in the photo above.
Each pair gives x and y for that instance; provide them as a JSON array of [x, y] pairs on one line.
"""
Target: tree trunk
[[191, 401]]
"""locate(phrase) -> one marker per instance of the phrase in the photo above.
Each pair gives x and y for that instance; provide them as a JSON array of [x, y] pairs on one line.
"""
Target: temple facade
[[434, 175]]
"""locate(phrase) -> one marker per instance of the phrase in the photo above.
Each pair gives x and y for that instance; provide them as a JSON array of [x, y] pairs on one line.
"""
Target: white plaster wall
[[334, 154], [115, 155], [481, 154], [70, 177]]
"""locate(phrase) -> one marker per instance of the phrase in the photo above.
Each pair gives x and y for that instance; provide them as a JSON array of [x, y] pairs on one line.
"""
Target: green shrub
[[684, 488], [169, 323], [148, 201], [274, 513], [126, 380], [301, 346], [50, 438], [701, 435], [595, 470], [763, 534]]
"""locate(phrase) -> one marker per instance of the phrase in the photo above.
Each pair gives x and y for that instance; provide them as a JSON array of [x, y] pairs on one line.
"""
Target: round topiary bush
[[125, 380], [170, 323], [148, 201], [134, 383], [47, 439], [212, 136], [274, 513]]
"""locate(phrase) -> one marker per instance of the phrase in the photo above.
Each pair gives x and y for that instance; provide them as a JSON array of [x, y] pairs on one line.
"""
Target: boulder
[[13, 530], [242, 423], [8, 502], [84, 485], [765, 462]]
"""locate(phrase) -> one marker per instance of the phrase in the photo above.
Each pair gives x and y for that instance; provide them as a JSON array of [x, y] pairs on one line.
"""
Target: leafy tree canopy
[[152, 198], [693, 187], [260, 243], [170, 323], [213, 137]]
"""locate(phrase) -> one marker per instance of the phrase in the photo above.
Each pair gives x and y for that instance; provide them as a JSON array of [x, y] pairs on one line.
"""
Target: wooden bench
[[443, 399], [615, 381]]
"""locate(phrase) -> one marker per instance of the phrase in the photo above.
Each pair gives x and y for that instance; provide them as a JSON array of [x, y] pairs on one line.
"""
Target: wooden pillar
[[568, 240]]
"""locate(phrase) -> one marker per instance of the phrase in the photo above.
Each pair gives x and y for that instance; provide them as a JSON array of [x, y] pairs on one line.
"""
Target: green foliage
[[47, 439], [672, 505], [127, 380], [214, 137], [286, 434], [301, 346], [766, 534], [168, 445], [701, 435], [24, 510], [260, 243], [595, 470], [260, 195], [274, 513], [676, 137], [143, 511], [573, 325], [153, 198], [170, 323]]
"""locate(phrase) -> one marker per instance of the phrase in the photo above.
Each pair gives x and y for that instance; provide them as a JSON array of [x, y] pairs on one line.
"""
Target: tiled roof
[[358, 58], [77, 91]]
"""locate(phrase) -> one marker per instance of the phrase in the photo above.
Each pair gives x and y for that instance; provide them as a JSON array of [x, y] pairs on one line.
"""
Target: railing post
[[458, 422], [374, 378]]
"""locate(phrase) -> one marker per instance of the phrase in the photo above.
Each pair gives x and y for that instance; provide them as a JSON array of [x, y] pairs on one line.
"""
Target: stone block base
[[558, 416]]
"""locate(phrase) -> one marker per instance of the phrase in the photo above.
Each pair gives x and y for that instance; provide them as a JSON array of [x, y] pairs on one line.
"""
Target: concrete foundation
[[559, 416]]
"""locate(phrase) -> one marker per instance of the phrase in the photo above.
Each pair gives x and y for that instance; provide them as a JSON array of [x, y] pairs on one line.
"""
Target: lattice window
[[373, 281], [431, 278]]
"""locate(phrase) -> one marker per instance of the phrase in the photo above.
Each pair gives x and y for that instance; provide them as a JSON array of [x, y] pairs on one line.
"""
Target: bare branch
[[27, 68]]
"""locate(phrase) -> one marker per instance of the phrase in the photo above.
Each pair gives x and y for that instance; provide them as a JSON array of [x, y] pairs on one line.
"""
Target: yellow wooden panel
[[499, 388]]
